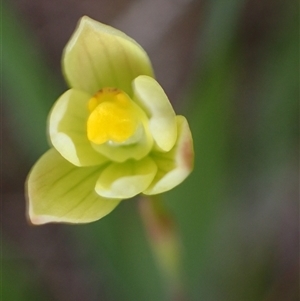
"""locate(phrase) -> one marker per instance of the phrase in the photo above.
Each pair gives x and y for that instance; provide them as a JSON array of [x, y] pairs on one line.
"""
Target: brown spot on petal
[[188, 153]]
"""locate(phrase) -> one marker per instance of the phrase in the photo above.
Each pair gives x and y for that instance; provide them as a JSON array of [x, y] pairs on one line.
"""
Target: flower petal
[[175, 165], [99, 56], [152, 98], [127, 179], [67, 129], [58, 191]]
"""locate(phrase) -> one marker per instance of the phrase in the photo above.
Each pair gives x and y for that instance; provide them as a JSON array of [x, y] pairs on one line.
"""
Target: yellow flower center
[[112, 117]]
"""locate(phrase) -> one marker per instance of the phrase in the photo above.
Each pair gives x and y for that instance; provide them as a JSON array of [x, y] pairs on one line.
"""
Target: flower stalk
[[163, 237]]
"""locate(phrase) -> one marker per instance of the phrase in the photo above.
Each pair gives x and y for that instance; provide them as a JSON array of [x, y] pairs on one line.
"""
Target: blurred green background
[[232, 67]]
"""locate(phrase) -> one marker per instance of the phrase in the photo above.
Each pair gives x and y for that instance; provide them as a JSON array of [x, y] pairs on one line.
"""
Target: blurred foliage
[[17, 281], [27, 83], [243, 111]]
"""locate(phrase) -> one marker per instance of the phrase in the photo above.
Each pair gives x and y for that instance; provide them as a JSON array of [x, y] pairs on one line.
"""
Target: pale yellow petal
[[162, 122], [99, 56], [127, 179], [67, 129], [175, 165], [59, 191]]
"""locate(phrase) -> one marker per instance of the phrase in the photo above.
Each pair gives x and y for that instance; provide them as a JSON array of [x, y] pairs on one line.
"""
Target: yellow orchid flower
[[114, 133]]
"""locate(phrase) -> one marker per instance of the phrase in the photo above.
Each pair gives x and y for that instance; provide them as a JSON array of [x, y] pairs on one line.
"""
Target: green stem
[[165, 244]]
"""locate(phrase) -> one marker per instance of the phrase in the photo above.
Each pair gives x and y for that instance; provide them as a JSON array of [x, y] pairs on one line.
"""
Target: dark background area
[[231, 67]]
